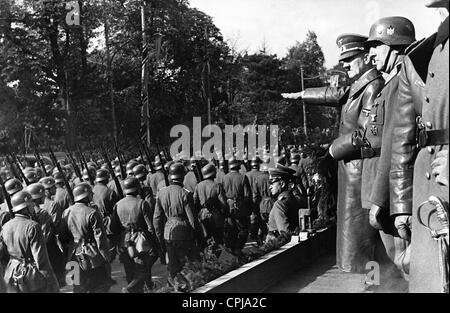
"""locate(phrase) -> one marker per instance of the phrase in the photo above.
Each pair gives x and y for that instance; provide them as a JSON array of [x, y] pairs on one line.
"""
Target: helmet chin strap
[[390, 60]]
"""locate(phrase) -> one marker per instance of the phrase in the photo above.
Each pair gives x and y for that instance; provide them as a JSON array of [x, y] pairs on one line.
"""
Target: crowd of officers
[[170, 214]]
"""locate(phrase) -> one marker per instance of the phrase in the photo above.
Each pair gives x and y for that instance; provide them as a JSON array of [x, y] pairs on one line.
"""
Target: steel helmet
[[131, 184], [177, 171], [81, 191], [85, 174], [32, 176], [256, 161], [118, 171], [21, 200], [209, 171], [39, 172], [48, 182], [58, 177], [130, 167], [36, 190], [392, 31], [48, 168], [140, 171], [233, 164], [13, 185], [102, 175]]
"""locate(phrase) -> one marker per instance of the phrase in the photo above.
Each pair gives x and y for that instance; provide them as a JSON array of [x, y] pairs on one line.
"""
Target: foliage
[[48, 67], [198, 273]]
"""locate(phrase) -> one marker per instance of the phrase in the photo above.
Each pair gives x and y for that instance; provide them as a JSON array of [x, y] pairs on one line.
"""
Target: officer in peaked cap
[[354, 233], [283, 217], [350, 45]]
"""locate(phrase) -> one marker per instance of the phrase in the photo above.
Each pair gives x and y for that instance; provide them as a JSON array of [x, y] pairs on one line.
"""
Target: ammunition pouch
[[27, 277], [88, 256], [136, 242]]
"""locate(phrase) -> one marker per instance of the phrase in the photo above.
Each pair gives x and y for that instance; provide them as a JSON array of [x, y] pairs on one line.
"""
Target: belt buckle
[[422, 138]]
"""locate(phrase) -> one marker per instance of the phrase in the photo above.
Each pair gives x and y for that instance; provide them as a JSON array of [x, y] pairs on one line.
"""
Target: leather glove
[[375, 216], [295, 95], [357, 139], [439, 167], [403, 225]]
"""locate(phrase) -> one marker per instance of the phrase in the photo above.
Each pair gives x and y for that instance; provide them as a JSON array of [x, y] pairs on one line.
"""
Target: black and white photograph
[[222, 152]]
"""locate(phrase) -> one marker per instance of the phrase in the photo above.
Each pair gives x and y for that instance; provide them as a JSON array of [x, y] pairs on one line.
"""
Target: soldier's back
[[17, 235], [233, 184]]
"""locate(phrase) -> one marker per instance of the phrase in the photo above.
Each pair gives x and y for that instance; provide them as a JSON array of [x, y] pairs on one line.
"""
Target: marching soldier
[[43, 217], [255, 219], [211, 204], [174, 217], [262, 197], [420, 152], [130, 166], [190, 180], [83, 230], [388, 39], [153, 179], [61, 197], [112, 184], [221, 171], [103, 196], [238, 193], [49, 205], [23, 240], [356, 239], [138, 250], [283, 217]]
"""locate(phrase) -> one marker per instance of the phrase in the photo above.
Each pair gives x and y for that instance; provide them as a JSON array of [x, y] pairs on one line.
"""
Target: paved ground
[[323, 276], [159, 274]]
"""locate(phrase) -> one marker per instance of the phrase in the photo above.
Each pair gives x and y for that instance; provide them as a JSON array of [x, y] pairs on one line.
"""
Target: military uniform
[[174, 217], [89, 248], [239, 195], [62, 198], [209, 198], [423, 102], [103, 199], [356, 239], [153, 180], [283, 216], [190, 181], [23, 240], [136, 218]]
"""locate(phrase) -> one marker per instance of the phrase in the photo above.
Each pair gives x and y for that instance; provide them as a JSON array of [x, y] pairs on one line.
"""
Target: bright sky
[[280, 23]]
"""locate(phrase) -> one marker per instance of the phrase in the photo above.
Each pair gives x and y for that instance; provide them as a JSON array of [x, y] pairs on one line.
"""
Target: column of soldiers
[[172, 214], [392, 151]]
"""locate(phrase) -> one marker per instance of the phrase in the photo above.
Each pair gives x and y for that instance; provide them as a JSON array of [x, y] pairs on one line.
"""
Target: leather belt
[[433, 138], [367, 153]]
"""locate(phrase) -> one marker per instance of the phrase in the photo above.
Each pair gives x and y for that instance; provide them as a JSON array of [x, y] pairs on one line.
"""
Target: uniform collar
[[362, 82], [396, 70], [442, 33]]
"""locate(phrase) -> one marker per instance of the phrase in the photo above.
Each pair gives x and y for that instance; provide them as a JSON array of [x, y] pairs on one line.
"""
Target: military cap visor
[[281, 172], [350, 45]]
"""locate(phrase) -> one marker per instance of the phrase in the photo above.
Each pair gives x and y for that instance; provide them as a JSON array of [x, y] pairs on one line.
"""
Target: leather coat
[[423, 97], [355, 236]]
